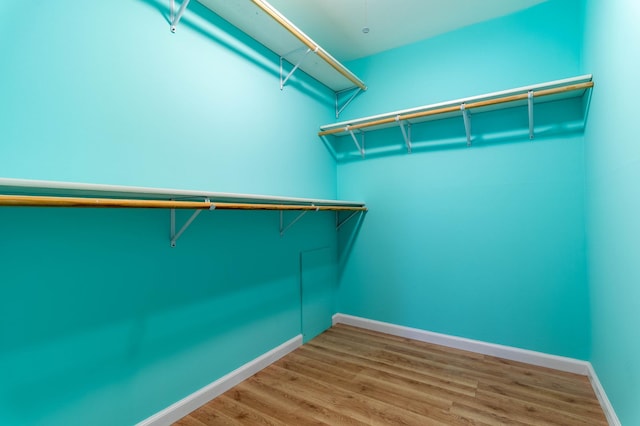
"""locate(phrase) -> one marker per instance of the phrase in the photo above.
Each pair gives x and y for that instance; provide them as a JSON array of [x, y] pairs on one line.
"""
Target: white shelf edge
[[567, 81], [24, 186], [342, 69], [229, 12]]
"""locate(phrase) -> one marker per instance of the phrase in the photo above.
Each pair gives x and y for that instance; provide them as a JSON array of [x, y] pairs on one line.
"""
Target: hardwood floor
[[350, 376]]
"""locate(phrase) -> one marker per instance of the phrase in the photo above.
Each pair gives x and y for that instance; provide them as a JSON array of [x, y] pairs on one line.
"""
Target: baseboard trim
[[541, 359], [197, 399], [192, 402], [609, 412], [515, 354]]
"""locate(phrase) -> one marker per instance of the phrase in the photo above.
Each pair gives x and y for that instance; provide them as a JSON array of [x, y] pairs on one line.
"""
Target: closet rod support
[[283, 228], [339, 108], [530, 102], [355, 141], [175, 18], [283, 80], [406, 133], [175, 236], [467, 122], [352, 215]]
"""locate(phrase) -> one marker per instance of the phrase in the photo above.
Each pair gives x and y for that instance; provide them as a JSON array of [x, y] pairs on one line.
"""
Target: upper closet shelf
[[527, 96], [75, 189], [39, 193], [261, 21]]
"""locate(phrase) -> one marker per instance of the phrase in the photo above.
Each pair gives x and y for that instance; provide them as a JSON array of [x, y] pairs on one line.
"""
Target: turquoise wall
[[105, 93], [484, 242], [101, 322], [101, 319], [533, 46], [613, 201]]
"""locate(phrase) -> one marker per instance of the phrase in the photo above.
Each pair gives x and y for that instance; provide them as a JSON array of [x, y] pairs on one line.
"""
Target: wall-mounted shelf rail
[[528, 96], [265, 24], [54, 201], [33, 193]]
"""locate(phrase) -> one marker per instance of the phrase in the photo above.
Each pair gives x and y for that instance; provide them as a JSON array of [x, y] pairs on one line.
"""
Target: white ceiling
[[337, 24]]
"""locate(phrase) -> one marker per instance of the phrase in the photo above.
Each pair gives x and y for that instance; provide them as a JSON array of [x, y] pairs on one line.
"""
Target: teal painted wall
[[99, 318], [105, 93], [103, 322], [485, 242], [318, 273], [613, 201], [533, 46]]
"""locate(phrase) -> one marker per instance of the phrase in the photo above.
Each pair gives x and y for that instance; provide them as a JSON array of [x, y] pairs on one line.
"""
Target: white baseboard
[[515, 354], [541, 359], [197, 399], [185, 406], [609, 412]]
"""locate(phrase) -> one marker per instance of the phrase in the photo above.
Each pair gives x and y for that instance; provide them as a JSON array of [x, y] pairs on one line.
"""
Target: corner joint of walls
[[598, 389]]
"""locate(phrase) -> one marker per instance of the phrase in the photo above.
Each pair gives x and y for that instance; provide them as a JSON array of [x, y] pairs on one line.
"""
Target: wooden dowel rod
[[309, 43], [49, 201], [571, 87], [443, 110], [536, 94], [454, 108]]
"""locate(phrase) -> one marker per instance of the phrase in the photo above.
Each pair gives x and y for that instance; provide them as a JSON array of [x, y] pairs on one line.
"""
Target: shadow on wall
[[349, 226], [229, 37]]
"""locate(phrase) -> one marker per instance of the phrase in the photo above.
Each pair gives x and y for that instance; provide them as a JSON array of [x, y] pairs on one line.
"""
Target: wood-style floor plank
[[349, 376]]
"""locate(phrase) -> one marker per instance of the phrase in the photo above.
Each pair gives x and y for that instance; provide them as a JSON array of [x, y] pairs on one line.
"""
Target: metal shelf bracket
[[175, 17], [355, 141], [345, 94], [283, 78], [406, 132], [348, 218], [174, 235], [467, 122], [284, 228], [530, 101]]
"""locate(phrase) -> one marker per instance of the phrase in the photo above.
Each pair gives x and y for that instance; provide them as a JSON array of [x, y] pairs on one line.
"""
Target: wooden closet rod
[[454, 108], [309, 43], [49, 201]]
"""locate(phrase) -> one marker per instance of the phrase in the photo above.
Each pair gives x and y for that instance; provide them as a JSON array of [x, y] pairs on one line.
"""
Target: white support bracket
[[355, 140], [406, 132], [339, 108], [467, 122], [351, 216], [174, 235], [284, 228], [283, 78], [175, 17], [530, 100]]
